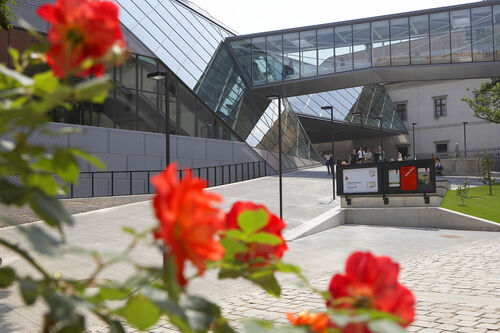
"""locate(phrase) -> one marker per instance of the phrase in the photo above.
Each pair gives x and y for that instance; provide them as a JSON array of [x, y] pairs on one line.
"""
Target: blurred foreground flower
[[188, 223], [371, 283], [273, 225], [315, 322], [81, 30]]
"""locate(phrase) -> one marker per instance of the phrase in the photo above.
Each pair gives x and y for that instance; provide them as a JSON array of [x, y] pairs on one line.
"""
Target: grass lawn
[[479, 203]]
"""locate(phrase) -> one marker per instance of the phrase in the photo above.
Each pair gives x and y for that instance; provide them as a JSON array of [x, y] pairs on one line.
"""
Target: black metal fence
[[115, 183], [470, 153]]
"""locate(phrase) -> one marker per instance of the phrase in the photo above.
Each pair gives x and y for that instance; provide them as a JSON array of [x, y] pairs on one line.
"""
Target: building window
[[439, 107], [441, 148], [401, 110]]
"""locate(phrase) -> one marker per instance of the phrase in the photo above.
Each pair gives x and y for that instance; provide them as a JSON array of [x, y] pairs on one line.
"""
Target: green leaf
[[22, 79], [46, 82], [65, 165], [385, 326], [200, 312], [7, 276], [267, 281], [235, 233], [129, 231], [88, 157], [62, 311], [174, 312], [287, 268], [49, 209], [232, 246], [29, 290], [250, 221], [40, 240], [95, 90], [264, 238], [13, 194], [44, 182], [14, 54], [113, 293], [115, 326], [225, 273], [140, 312]]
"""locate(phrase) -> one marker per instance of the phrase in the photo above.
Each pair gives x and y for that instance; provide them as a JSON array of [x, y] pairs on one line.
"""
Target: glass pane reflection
[[380, 43], [440, 37], [308, 57], [361, 45], [482, 34], [460, 36], [274, 58], [291, 66], [343, 48], [325, 42], [400, 54], [419, 39]]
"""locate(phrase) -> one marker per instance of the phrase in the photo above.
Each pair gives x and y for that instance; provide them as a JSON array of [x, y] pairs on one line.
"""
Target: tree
[[6, 15], [486, 105], [487, 164]]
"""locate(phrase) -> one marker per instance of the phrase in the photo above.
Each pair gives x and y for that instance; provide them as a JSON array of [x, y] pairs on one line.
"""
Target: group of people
[[363, 156]]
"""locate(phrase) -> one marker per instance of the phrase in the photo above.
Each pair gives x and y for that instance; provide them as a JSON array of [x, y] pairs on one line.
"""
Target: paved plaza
[[455, 275]]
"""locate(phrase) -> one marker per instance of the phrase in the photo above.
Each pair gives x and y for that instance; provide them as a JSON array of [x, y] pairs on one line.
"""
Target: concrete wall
[[430, 130], [418, 217], [124, 150]]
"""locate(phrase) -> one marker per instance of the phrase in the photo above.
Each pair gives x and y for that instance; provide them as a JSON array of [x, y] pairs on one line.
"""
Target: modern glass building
[[211, 73]]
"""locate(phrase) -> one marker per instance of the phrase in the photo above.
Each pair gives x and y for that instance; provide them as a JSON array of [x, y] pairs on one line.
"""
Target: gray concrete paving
[[455, 274], [306, 194]]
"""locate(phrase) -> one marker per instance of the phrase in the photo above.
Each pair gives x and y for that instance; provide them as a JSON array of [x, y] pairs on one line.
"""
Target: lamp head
[[157, 75]]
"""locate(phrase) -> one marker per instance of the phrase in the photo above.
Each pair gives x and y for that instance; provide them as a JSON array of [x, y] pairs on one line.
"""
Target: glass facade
[[210, 77], [192, 45], [136, 102], [371, 100], [463, 34]]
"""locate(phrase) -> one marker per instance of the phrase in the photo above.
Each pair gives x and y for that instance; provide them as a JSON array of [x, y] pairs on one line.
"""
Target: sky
[[250, 16]]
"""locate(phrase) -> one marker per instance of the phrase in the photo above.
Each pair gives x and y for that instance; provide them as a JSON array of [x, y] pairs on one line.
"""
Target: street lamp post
[[465, 139], [329, 107], [159, 76], [280, 170], [361, 123], [413, 130], [381, 137]]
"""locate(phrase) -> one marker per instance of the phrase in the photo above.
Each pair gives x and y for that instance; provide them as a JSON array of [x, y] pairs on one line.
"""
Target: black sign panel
[[412, 176]]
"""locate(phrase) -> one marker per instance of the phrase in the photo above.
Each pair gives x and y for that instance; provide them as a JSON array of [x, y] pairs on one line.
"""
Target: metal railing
[[470, 153], [117, 183]]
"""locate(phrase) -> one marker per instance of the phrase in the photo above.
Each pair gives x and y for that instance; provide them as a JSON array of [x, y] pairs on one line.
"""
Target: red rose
[[372, 283], [274, 226], [81, 29], [188, 223]]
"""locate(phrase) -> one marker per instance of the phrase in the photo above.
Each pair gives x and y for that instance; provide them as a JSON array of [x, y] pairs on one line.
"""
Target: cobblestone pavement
[[457, 290], [24, 214]]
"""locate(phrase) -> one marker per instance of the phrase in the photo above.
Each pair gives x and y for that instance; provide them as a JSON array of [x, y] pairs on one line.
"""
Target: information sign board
[[409, 178], [394, 180], [360, 180]]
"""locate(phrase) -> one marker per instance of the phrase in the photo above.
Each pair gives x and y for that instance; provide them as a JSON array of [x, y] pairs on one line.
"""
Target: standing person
[[328, 161], [400, 156], [368, 156], [361, 155], [381, 154], [376, 155], [354, 157]]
